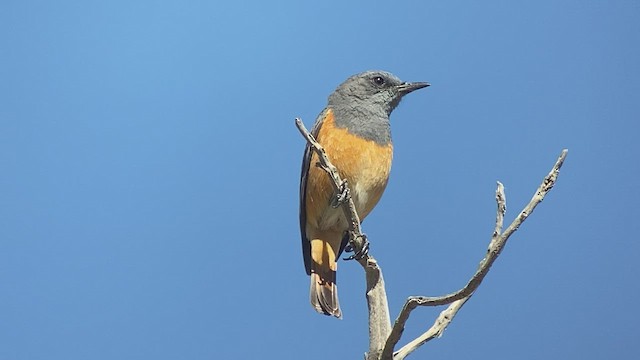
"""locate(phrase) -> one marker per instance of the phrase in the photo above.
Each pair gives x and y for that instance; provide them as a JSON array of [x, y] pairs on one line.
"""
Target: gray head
[[363, 103]]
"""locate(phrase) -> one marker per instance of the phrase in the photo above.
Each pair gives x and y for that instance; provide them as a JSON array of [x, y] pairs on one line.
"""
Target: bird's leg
[[341, 196], [364, 250]]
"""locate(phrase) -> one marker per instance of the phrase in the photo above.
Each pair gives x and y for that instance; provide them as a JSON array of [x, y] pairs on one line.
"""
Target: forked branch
[[458, 298], [383, 338]]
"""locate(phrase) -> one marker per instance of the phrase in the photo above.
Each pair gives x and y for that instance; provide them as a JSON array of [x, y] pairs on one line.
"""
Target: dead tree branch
[[382, 337], [498, 241]]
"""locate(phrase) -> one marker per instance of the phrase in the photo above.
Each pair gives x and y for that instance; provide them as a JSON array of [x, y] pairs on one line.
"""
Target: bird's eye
[[378, 80]]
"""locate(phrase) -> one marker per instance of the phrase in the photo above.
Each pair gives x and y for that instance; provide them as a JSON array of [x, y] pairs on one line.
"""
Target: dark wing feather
[[306, 160]]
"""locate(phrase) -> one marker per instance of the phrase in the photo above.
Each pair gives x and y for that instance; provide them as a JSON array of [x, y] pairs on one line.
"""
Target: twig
[[338, 184], [436, 330], [458, 298]]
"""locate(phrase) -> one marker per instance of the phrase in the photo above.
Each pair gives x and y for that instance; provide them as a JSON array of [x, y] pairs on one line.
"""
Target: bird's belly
[[366, 190], [363, 163]]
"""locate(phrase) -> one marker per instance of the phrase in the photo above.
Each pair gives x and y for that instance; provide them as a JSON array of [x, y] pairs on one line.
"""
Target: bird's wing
[[306, 162]]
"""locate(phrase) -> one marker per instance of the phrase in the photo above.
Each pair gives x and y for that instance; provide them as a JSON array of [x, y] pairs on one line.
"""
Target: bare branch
[[458, 298], [501, 201], [436, 330], [379, 319], [547, 184], [383, 338]]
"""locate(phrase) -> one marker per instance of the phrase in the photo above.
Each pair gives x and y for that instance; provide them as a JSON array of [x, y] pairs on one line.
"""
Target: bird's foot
[[342, 196], [360, 253]]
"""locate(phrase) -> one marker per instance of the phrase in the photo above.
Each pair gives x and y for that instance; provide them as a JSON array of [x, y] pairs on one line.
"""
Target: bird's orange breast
[[364, 163]]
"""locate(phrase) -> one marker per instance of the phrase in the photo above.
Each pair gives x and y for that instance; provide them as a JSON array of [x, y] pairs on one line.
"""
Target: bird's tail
[[324, 296], [324, 291]]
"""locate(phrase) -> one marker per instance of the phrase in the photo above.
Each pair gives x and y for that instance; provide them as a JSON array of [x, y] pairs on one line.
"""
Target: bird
[[355, 131]]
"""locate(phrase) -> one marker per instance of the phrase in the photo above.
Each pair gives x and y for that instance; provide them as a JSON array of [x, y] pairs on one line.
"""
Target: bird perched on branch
[[355, 132]]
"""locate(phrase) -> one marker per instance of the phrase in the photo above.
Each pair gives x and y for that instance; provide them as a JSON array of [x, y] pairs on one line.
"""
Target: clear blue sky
[[149, 170]]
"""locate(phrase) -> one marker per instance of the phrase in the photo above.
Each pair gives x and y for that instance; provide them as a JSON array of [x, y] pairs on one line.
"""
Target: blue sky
[[150, 166]]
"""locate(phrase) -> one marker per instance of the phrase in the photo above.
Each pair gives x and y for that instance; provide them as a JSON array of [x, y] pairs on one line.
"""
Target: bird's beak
[[406, 88]]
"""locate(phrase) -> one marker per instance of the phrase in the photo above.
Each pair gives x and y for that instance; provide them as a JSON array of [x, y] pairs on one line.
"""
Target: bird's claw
[[360, 253], [342, 195]]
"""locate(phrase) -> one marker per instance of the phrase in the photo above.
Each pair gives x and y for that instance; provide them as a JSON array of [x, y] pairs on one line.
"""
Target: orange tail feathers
[[324, 291]]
